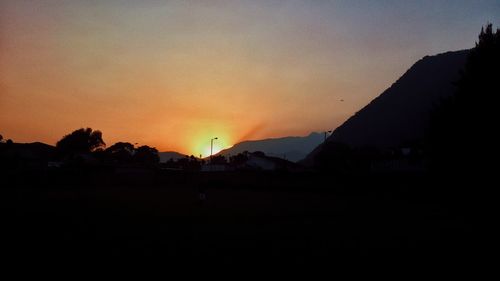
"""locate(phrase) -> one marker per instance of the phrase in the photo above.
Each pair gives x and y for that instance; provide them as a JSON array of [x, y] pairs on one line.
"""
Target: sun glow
[[204, 148], [203, 141]]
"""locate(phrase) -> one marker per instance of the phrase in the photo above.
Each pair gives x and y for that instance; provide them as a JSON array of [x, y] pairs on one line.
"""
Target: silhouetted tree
[[219, 159], [239, 159], [194, 163], [81, 141], [188, 163], [146, 155], [120, 152], [8, 141], [462, 137]]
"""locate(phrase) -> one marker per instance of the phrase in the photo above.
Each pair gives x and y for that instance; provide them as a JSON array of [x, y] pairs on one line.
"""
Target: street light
[[326, 132], [212, 148]]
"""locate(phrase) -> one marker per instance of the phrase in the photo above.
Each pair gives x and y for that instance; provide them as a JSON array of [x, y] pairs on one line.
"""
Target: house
[[259, 161]]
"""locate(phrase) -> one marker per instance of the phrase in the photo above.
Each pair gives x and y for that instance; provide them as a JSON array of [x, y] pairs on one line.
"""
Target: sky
[[175, 74]]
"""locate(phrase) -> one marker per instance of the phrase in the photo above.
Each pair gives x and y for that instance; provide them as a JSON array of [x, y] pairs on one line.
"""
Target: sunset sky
[[174, 74]]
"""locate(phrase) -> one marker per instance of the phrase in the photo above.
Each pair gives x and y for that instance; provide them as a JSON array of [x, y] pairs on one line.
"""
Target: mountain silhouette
[[401, 113], [289, 148]]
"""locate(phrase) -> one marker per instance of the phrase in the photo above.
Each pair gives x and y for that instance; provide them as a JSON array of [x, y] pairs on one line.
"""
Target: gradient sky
[[173, 74]]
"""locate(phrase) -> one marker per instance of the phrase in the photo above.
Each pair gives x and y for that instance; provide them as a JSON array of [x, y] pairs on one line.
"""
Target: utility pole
[[212, 148], [326, 132]]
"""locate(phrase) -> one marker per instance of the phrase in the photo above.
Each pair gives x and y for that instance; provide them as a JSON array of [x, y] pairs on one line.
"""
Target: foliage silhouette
[[461, 136], [188, 163], [239, 159], [81, 141], [146, 155], [219, 160], [120, 152]]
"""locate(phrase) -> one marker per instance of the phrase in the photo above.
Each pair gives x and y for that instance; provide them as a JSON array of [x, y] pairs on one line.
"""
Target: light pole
[[212, 148], [326, 132]]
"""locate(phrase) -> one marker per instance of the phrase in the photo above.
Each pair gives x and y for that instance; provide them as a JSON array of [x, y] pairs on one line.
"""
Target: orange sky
[[174, 74]]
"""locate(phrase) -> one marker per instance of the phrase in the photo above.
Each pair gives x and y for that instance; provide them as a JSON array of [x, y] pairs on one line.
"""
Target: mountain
[[290, 148], [401, 113], [167, 155]]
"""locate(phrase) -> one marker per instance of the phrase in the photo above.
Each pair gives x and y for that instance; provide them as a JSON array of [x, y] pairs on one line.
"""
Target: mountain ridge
[[401, 113], [291, 148]]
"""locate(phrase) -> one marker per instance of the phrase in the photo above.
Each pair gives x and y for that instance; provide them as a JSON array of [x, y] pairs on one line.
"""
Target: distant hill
[[401, 113], [29, 150], [26, 155], [167, 155], [289, 148]]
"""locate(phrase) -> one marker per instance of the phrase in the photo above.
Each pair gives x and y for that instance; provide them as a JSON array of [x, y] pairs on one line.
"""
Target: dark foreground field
[[246, 217]]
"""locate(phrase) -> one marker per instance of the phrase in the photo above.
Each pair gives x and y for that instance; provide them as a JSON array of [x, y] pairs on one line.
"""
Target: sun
[[212, 146], [209, 141], [216, 148]]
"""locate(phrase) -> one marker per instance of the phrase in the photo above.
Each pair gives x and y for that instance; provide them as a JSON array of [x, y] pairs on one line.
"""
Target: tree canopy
[[146, 155], [84, 140], [462, 138], [121, 152]]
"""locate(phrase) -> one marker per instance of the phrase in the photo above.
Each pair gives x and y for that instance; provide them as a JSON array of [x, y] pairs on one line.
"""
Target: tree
[[239, 159], [190, 163], [462, 135], [81, 141], [219, 160], [146, 155], [120, 152]]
